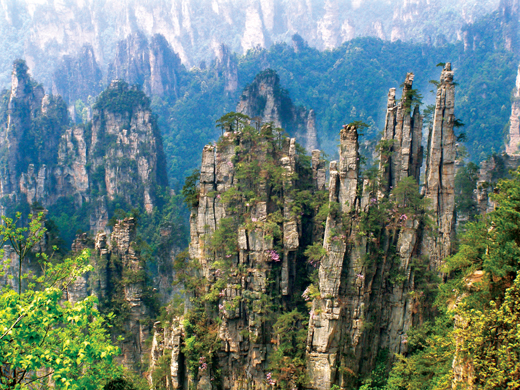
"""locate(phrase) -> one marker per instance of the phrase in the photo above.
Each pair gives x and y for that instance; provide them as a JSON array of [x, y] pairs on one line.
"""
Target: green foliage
[[428, 364], [202, 340], [44, 338], [224, 239], [465, 183], [22, 239], [287, 361], [190, 192], [378, 378], [482, 293], [122, 99]]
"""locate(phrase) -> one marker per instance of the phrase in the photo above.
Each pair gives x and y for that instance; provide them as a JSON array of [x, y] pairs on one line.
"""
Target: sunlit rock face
[[41, 31]]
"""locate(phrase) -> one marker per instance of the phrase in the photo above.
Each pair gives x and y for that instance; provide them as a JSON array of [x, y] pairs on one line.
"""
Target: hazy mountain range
[[42, 31]]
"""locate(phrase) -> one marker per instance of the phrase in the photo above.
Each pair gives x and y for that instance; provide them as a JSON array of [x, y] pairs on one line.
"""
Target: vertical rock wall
[[512, 146]]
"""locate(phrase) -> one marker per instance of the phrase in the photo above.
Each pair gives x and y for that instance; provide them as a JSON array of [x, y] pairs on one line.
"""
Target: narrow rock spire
[[440, 169], [514, 123]]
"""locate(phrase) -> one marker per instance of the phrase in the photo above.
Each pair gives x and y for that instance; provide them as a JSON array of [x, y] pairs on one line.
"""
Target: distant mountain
[[43, 31]]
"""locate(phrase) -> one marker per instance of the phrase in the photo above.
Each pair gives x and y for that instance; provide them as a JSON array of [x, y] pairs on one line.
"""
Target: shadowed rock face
[[369, 284], [265, 98], [78, 77]]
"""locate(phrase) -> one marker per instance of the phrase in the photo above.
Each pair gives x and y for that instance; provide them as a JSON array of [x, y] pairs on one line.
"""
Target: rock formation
[[151, 64], [264, 98], [119, 281], [78, 77], [255, 268], [358, 285], [512, 146], [440, 170], [403, 132], [118, 156], [376, 241], [226, 66]]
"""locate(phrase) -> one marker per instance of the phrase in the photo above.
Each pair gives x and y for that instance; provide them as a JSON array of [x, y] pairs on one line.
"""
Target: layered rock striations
[[119, 280], [402, 133], [440, 170], [264, 98]]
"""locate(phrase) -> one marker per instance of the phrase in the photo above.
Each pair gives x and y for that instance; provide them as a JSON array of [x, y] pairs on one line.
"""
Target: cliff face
[[512, 146], [119, 281], [126, 156], [149, 63], [370, 286], [226, 66], [247, 233], [264, 98], [30, 137]]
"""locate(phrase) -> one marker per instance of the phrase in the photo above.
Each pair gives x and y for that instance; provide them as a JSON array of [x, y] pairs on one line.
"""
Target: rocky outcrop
[[166, 356], [247, 248], [402, 133], [125, 155], [265, 99], [78, 77], [369, 291], [128, 281], [151, 64], [29, 139], [119, 281]]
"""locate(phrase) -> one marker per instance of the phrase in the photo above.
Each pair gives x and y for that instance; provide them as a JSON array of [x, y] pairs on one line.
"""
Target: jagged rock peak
[[126, 149], [265, 99], [401, 154], [34, 125]]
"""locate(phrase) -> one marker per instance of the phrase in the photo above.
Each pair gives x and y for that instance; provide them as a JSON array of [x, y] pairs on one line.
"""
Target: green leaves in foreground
[[46, 340]]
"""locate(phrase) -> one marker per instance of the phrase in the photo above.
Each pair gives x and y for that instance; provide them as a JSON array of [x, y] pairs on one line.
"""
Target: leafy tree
[[44, 339]]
